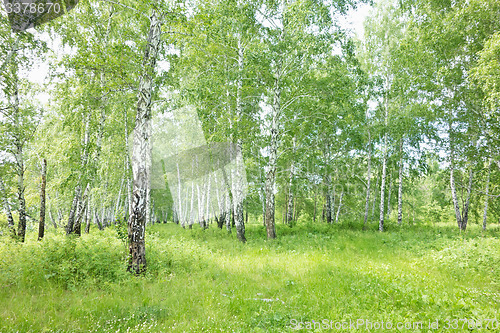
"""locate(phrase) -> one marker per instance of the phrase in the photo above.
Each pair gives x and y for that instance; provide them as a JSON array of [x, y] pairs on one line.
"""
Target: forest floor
[[336, 278]]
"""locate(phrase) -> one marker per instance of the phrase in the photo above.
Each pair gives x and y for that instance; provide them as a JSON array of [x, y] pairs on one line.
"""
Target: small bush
[[67, 261]]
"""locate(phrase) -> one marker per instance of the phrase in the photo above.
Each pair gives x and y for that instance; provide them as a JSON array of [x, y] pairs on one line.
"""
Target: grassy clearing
[[205, 281]]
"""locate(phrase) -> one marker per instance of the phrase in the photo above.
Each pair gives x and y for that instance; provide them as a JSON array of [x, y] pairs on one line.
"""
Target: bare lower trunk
[[294, 210], [41, 225], [400, 185], [465, 217], [73, 210], [339, 207], [179, 208], [127, 166], [384, 167], [271, 173], [270, 209], [263, 203], [77, 230], [369, 181], [88, 217], [54, 224], [390, 181], [207, 211], [315, 204], [239, 182], [289, 215], [141, 151], [329, 200], [21, 227], [18, 142], [6, 206], [487, 192], [382, 189], [238, 195], [97, 220], [246, 214], [458, 216], [374, 201]]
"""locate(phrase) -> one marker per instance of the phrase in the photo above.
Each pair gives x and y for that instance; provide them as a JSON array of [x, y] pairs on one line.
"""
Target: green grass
[[206, 281]]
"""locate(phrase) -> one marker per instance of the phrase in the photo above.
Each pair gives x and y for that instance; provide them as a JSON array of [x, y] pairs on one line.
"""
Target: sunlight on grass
[[205, 281]]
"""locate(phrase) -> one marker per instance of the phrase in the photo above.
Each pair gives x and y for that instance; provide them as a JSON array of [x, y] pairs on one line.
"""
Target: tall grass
[[206, 281]]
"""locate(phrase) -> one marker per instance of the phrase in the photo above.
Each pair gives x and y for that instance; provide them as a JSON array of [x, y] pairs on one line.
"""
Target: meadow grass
[[206, 281]]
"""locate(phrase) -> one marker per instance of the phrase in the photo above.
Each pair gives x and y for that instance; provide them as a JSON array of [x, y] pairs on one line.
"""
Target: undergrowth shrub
[[166, 255], [67, 261], [480, 256]]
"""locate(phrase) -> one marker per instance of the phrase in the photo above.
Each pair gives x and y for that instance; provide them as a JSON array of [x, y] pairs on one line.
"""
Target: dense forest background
[[397, 127], [255, 165]]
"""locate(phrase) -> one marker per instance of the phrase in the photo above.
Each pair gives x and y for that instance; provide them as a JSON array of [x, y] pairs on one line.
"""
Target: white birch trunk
[[453, 187], [390, 181], [487, 193], [400, 185], [384, 166], [43, 183], [339, 207], [289, 217], [141, 151], [369, 180], [465, 217], [6, 206], [237, 176], [271, 173]]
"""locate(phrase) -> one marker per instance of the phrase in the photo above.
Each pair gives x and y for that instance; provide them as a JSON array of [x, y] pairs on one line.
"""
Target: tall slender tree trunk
[[453, 187], [339, 207], [118, 200], [238, 200], [6, 206], [276, 110], [179, 207], [369, 180], [141, 151], [21, 227], [41, 225], [263, 203], [227, 211], [54, 224], [220, 218], [238, 176], [70, 227], [82, 205], [374, 201], [390, 181], [73, 210], [384, 167], [382, 189], [18, 143], [289, 217], [273, 155], [487, 193], [246, 213], [400, 185], [465, 217], [315, 205], [88, 216], [98, 220], [329, 205], [207, 210], [323, 212]]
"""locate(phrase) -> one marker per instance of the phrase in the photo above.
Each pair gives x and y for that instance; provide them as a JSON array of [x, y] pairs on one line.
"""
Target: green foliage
[[121, 230], [63, 261]]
